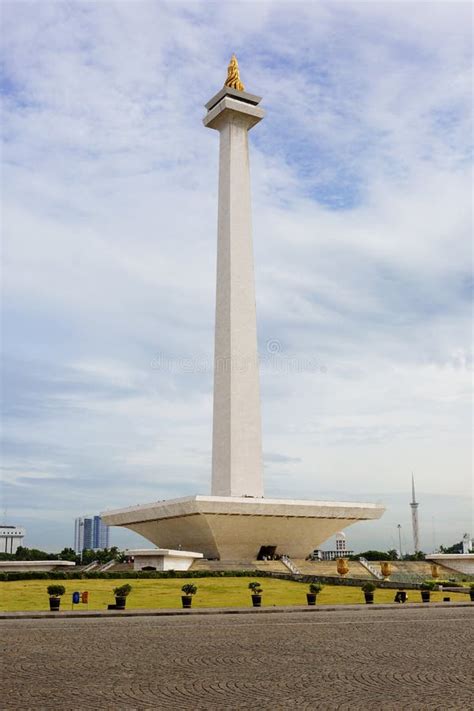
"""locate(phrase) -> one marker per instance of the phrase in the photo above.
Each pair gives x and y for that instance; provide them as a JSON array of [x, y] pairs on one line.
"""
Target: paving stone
[[418, 659]]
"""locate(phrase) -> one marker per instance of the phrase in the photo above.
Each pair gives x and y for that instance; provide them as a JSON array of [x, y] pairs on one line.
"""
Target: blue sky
[[362, 217]]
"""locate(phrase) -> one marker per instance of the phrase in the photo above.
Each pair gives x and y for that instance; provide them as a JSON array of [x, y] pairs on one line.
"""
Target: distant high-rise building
[[414, 517], [91, 533], [100, 533], [10, 538]]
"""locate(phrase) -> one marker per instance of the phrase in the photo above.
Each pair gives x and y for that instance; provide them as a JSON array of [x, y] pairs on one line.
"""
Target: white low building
[[162, 559], [33, 566], [10, 538], [459, 562], [340, 550]]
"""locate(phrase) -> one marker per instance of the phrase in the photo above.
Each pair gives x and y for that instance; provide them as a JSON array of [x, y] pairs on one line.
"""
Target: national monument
[[236, 522]]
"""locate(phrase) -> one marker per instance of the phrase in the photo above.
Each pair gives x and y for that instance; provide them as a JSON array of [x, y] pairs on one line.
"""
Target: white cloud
[[362, 221]]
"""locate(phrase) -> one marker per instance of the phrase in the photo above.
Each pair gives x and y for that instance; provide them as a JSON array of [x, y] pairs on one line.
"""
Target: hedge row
[[354, 582], [325, 580]]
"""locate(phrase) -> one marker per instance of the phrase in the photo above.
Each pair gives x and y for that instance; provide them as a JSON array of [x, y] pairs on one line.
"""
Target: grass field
[[212, 592]]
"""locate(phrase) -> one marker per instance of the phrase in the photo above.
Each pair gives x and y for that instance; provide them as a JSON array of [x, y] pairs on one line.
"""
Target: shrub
[[427, 585], [56, 590], [255, 588], [189, 589], [315, 588], [123, 590], [368, 587]]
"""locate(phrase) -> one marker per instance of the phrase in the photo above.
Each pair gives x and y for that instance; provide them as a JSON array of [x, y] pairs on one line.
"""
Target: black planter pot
[[54, 603], [311, 598], [471, 594], [257, 600], [187, 601], [425, 595], [120, 603], [369, 598]]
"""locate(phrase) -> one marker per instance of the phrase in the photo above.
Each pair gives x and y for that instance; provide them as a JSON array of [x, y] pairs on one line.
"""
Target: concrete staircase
[[106, 566], [292, 567], [375, 572], [89, 568]]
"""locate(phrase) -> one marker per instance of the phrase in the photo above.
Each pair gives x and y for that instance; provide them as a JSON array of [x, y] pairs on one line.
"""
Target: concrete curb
[[85, 614]]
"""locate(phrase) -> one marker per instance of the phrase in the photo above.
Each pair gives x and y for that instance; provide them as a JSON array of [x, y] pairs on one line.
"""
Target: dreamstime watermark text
[[272, 360]]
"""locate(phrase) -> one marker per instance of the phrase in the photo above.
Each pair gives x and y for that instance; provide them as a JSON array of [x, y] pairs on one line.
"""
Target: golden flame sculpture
[[342, 566], [233, 75], [434, 571], [386, 569]]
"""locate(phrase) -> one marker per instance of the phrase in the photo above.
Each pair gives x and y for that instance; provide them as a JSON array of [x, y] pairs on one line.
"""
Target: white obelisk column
[[237, 467]]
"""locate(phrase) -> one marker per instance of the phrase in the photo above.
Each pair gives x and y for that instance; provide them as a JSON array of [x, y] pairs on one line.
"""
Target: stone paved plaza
[[350, 659]]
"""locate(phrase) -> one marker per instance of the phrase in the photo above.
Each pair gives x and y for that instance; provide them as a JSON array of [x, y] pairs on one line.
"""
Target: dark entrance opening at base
[[266, 552], [148, 567]]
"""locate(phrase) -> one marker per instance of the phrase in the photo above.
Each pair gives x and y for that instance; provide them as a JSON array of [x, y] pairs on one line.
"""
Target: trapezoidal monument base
[[234, 528]]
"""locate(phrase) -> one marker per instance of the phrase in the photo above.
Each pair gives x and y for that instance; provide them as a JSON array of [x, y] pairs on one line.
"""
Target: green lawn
[[166, 593]]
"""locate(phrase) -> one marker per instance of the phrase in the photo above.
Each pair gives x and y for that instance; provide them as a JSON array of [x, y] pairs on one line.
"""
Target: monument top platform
[[229, 104], [234, 527], [243, 505], [235, 94]]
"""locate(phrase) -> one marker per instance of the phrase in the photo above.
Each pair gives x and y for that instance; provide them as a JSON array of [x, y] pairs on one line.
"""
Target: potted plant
[[55, 592], [189, 590], [314, 589], [368, 590], [426, 589], [256, 594], [121, 593], [471, 592]]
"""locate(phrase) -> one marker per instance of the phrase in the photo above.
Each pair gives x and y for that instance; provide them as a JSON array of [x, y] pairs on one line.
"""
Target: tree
[[456, 548], [374, 555], [419, 555], [23, 553], [101, 555], [88, 556], [69, 554]]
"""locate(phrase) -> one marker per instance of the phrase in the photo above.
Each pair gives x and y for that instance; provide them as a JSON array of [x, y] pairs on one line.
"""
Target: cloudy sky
[[362, 240]]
